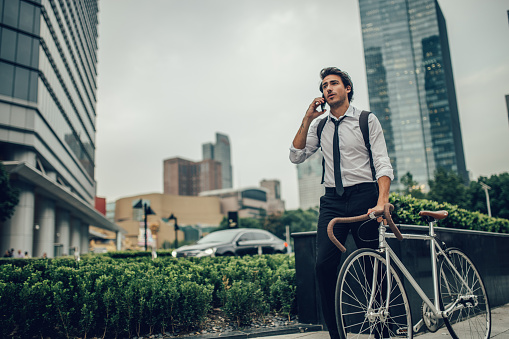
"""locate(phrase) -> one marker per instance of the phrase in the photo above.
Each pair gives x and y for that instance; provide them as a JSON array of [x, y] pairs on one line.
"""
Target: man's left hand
[[376, 209]]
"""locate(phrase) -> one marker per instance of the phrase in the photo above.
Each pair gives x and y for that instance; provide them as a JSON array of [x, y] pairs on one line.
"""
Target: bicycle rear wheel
[[362, 310], [471, 317]]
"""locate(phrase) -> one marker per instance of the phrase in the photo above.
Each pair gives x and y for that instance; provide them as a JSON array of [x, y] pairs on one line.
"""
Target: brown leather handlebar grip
[[388, 208], [386, 213]]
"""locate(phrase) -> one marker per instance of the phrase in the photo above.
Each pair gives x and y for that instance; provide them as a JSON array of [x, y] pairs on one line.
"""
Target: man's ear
[[348, 89]]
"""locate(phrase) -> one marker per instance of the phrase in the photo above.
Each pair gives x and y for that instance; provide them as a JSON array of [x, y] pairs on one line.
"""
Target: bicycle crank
[[431, 322]]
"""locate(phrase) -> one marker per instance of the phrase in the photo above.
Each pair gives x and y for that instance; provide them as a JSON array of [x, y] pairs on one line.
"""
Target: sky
[[172, 73]]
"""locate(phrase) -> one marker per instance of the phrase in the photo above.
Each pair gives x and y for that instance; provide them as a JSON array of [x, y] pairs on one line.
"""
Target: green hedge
[[127, 293], [407, 211], [106, 297]]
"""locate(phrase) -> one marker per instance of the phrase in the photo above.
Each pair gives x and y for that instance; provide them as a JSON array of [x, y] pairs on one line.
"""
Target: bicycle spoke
[[362, 299], [470, 317]]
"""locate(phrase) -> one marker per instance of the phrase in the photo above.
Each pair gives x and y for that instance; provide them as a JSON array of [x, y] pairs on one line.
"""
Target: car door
[[262, 242], [246, 244]]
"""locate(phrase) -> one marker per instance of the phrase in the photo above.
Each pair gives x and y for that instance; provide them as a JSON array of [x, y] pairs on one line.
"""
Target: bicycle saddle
[[438, 215]]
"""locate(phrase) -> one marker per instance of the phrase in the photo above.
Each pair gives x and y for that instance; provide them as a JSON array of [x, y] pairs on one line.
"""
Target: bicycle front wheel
[[462, 288], [364, 309]]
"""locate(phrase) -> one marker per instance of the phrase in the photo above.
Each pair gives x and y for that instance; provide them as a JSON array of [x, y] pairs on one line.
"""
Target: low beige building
[[188, 210], [249, 202]]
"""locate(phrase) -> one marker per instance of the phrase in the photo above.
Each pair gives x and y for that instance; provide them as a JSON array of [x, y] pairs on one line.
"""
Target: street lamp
[[486, 188], [146, 211], [176, 227]]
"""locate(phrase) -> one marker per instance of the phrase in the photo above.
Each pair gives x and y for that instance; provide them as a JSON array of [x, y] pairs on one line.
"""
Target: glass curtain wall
[[411, 87]]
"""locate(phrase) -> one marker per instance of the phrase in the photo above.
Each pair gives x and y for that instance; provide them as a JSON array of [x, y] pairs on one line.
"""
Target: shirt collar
[[350, 112]]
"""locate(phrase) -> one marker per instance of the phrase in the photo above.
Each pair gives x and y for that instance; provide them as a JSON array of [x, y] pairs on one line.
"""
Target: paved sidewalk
[[499, 329]]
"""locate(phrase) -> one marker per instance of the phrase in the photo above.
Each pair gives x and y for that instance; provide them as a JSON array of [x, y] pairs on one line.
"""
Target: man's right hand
[[312, 113]]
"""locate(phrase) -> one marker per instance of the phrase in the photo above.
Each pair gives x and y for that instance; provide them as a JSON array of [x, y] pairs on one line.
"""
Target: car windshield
[[220, 236]]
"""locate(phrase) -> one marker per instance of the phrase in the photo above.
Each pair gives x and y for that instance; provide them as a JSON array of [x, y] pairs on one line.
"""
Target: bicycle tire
[[472, 317], [353, 292]]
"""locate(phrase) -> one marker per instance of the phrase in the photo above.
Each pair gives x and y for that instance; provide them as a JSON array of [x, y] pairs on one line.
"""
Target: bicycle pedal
[[402, 331]]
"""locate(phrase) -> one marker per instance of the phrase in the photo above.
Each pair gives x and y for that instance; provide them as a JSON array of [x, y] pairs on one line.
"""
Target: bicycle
[[371, 300]]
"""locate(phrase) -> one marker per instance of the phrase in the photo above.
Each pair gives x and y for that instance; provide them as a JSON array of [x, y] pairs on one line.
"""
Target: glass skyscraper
[[48, 84], [309, 176], [220, 151], [411, 86]]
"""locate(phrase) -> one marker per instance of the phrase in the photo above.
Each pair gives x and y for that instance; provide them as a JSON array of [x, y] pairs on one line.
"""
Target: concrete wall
[[488, 251]]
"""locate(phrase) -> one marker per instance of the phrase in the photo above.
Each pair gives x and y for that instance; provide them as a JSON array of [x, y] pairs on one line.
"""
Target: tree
[[447, 186], [243, 223], [298, 220], [499, 195], [411, 186], [8, 195]]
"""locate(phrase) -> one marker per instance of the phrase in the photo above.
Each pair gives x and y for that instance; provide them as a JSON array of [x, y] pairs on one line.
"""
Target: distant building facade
[[309, 177], [195, 211], [249, 202], [411, 86], [274, 203], [185, 177], [48, 91], [221, 152]]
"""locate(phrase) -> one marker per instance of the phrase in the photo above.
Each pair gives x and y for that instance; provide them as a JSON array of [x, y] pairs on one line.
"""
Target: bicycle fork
[[381, 312]]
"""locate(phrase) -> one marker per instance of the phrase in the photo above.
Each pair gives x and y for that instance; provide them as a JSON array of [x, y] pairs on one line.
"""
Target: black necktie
[[337, 167]]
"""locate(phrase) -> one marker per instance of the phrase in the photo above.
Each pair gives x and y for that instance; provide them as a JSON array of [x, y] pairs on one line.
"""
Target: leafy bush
[[283, 291], [109, 296], [407, 212], [244, 301]]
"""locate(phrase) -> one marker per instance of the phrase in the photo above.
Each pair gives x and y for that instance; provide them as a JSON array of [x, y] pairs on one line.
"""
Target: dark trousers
[[356, 200]]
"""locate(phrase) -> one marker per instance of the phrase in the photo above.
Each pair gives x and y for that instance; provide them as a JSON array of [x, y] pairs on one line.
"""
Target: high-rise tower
[[185, 177], [411, 86], [48, 85], [309, 176], [220, 151]]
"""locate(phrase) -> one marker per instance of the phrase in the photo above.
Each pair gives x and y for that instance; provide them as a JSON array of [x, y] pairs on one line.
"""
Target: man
[[350, 189]]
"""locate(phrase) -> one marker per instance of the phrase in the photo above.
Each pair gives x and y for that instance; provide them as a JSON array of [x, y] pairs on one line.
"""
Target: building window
[[26, 17], [21, 15], [10, 15], [8, 45], [21, 82], [7, 76]]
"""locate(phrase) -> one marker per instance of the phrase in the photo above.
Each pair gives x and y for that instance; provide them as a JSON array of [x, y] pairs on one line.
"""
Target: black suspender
[[363, 124]]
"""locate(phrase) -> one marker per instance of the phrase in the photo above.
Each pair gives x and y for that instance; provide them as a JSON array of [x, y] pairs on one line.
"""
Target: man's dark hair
[[342, 74]]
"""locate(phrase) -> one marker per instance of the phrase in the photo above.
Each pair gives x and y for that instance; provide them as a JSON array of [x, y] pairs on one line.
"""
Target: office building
[[309, 177], [248, 202], [185, 177], [411, 86], [274, 202], [195, 212], [48, 85], [220, 151]]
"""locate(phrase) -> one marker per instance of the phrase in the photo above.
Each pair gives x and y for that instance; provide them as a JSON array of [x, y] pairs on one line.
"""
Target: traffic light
[[233, 219]]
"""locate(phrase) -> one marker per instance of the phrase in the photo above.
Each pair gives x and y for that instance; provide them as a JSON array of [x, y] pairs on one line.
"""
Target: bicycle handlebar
[[386, 214]]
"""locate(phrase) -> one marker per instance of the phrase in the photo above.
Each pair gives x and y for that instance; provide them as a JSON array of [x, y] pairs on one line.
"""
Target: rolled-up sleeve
[[298, 156], [381, 159]]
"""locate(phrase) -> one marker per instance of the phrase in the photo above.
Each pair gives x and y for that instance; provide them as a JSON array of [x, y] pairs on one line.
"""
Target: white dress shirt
[[355, 167]]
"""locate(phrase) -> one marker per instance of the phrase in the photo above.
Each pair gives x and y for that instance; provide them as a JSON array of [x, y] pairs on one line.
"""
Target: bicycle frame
[[435, 249]]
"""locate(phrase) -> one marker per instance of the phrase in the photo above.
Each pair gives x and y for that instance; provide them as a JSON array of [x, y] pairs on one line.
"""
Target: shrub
[[283, 292], [407, 212], [244, 301], [105, 296]]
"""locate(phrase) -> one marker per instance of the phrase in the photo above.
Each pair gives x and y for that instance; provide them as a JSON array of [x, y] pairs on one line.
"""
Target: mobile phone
[[322, 105]]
